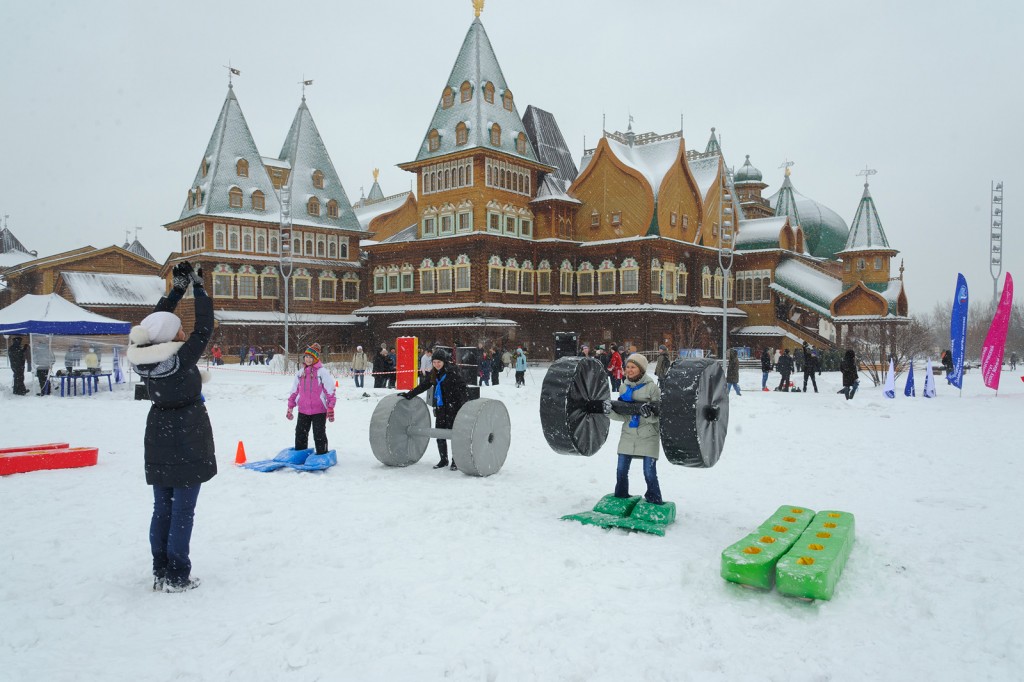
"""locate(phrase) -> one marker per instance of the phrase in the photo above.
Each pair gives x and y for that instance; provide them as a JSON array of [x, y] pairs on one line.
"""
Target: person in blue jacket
[[520, 368]]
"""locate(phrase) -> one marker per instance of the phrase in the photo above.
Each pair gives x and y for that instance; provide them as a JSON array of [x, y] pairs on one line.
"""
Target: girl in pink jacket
[[313, 392]]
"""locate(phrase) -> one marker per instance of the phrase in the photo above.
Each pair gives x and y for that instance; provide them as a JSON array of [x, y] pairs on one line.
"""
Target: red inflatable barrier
[[32, 448], [34, 460]]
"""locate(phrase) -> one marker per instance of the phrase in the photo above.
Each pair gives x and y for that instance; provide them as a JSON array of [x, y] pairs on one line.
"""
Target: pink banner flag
[[995, 341]]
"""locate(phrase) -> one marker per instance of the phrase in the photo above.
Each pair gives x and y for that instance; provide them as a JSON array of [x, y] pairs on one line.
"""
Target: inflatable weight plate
[[694, 412], [569, 384], [390, 440], [481, 436]]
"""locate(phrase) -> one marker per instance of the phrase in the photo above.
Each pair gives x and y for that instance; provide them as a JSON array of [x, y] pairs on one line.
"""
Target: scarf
[[627, 397], [438, 400]]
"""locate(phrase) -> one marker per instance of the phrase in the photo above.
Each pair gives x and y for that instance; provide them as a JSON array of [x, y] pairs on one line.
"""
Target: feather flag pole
[[909, 389], [890, 380]]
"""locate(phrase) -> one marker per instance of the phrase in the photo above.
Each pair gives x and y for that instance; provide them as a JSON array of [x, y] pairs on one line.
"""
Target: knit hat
[[662, 348], [359, 347], [439, 354], [159, 327], [314, 352], [638, 360]]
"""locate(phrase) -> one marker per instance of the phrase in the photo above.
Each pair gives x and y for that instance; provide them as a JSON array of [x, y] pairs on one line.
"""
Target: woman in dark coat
[[766, 366], [380, 369], [179, 439], [732, 373], [449, 396], [848, 366]]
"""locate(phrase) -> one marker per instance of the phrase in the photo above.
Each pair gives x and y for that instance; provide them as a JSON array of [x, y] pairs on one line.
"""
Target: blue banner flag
[[958, 332], [909, 390]]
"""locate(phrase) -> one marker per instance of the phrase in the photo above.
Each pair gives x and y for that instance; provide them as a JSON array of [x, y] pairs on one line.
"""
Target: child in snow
[[313, 392], [449, 397], [640, 434], [520, 368]]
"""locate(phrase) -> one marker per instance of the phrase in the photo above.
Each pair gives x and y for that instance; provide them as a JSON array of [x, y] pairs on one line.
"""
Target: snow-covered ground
[[370, 573]]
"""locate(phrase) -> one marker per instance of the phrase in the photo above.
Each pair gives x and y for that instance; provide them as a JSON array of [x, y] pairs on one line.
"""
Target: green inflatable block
[[607, 511], [649, 518], [811, 568], [616, 506], [752, 560]]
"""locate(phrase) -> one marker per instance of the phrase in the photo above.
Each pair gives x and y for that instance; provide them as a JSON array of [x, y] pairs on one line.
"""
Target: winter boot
[[188, 584], [158, 584], [443, 463], [453, 467]]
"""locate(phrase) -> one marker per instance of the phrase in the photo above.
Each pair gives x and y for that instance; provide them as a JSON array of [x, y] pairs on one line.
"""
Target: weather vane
[[787, 164], [304, 83], [232, 71], [867, 173]]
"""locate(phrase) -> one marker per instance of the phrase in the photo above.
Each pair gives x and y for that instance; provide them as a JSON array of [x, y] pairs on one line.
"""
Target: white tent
[[34, 314]]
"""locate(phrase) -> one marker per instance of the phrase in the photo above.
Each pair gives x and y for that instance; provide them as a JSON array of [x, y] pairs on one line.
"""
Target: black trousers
[[319, 424], [784, 382], [19, 380], [495, 375], [813, 381], [41, 374], [443, 419]]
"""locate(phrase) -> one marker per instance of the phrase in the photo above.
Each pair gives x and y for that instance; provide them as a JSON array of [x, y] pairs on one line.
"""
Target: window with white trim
[[444, 275], [494, 274], [328, 286], [718, 283], [511, 276], [493, 222], [247, 244], [269, 283], [219, 236], [223, 281], [681, 276], [463, 273], [233, 238], [544, 278], [606, 277], [705, 282], [427, 276], [407, 276], [447, 224], [668, 281], [630, 276], [510, 225], [465, 221], [394, 283], [526, 228], [261, 240], [380, 280], [429, 226], [526, 278], [302, 282], [566, 274], [655, 276], [246, 282], [585, 279], [350, 286]]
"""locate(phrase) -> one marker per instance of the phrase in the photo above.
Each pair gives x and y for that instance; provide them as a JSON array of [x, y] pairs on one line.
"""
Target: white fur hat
[[159, 327]]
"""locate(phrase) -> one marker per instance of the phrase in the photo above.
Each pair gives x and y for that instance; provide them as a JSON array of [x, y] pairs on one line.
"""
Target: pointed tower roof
[[305, 152], [376, 193], [231, 142], [9, 243], [138, 249], [785, 202], [713, 146], [551, 148], [478, 66], [866, 232]]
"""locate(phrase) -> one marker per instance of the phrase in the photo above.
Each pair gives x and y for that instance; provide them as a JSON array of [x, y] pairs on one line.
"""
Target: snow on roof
[[100, 288], [453, 322], [866, 231], [12, 258], [552, 187], [652, 159], [760, 231], [275, 259], [241, 317], [369, 211], [765, 330], [557, 309], [807, 285], [52, 314], [407, 234], [276, 163], [705, 172], [8, 242]]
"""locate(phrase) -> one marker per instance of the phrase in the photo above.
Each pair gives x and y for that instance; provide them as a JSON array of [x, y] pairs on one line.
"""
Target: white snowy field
[[371, 573]]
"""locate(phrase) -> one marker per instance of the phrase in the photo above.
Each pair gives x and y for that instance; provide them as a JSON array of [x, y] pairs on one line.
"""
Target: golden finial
[[478, 7], [376, 172]]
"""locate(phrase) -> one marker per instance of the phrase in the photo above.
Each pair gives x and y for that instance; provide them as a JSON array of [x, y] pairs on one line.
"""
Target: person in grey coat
[[732, 374], [179, 439], [640, 433]]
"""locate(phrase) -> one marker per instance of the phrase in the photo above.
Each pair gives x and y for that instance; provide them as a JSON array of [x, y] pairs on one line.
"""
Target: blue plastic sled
[[300, 460]]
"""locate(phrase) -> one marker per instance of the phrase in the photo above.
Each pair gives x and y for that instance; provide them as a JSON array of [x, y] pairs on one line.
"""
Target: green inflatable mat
[[752, 560], [811, 568], [629, 513]]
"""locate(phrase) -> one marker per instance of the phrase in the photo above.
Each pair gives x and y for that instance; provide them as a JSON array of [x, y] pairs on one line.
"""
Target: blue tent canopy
[[33, 314]]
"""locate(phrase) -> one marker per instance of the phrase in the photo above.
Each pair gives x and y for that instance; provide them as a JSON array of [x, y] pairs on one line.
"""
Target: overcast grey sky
[[108, 106]]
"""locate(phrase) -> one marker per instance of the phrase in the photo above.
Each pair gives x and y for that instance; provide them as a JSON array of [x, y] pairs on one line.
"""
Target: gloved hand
[[181, 276], [649, 410], [598, 407], [330, 415], [290, 416], [196, 276], [406, 396]]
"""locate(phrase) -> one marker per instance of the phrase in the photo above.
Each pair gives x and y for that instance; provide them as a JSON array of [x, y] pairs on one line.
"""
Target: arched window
[[506, 100], [259, 202], [466, 91], [321, 249], [705, 282], [309, 245], [242, 168], [313, 206], [318, 179], [496, 135], [235, 197], [332, 209], [489, 92], [433, 140], [332, 250], [521, 143], [461, 133], [447, 97], [494, 274], [204, 167]]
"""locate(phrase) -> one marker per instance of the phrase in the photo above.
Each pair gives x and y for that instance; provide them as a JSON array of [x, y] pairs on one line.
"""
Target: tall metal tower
[[995, 240]]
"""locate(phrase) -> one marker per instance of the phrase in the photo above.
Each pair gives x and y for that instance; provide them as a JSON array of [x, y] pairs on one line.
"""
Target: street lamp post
[[995, 241], [725, 254], [285, 258]]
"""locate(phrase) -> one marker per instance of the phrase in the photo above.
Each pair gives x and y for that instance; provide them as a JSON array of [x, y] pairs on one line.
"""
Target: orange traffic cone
[[240, 454]]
